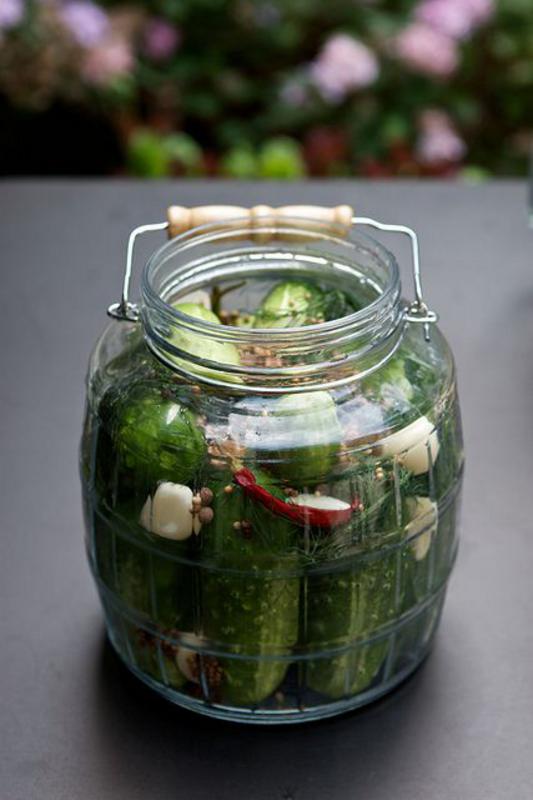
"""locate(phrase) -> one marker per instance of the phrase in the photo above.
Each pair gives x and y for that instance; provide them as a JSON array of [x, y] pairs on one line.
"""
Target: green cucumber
[[156, 439], [350, 605], [154, 585], [298, 439], [343, 610], [205, 347], [290, 304], [390, 385], [249, 606], [298, 303]]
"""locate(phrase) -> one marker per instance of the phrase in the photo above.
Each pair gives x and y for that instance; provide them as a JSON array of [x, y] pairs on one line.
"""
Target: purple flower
[[438, 141], [11, 13], [87, 22], [343, 64], [455, 18], [160, 39], [426, 50], [107, 61]]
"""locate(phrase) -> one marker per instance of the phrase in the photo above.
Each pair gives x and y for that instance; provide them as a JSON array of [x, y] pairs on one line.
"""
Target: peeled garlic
[[145, 517], [187, 659], [168, 513], [322, 502], [424, 515], [413, 443]]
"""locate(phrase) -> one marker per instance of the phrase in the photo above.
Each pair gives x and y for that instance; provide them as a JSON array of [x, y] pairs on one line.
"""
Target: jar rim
[[372, 332], [196, 236]]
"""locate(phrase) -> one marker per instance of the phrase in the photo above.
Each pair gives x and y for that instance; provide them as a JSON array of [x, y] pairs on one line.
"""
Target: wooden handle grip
[[182, 219]]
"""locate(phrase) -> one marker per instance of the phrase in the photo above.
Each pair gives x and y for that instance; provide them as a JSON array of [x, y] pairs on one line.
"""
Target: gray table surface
[[75, 725]]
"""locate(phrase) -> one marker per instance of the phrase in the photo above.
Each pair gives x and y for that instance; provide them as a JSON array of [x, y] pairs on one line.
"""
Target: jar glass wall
[[271, 503]]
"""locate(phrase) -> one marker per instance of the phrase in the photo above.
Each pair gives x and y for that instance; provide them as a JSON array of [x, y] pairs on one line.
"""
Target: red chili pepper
[[300, 515]]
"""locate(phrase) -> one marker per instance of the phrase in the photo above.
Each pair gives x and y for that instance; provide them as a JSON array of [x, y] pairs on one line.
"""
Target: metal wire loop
[[124, 309], [418, 311]]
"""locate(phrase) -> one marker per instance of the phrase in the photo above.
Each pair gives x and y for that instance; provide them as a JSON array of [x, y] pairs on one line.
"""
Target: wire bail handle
[[182, 219]]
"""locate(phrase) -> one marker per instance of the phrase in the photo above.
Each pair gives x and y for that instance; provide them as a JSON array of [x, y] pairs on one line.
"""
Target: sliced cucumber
[[290, 304], [205, 347]]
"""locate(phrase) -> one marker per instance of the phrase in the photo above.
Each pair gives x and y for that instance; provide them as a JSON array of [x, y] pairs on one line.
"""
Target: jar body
[[258, 615], [271, 511]]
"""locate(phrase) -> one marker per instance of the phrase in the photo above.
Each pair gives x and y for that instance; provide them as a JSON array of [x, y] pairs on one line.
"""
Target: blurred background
[[266, 88]]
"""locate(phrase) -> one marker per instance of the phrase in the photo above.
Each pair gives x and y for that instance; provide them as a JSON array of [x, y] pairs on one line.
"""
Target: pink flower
[[426, 50], [111, 59], [451, 17], [87, 22], [160, 39], [343, 64], [455, 18], [480, 10], [11, 13], [438, 141]]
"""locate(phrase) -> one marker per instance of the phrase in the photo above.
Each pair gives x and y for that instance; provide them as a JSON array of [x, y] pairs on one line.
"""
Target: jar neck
[[272, 360]]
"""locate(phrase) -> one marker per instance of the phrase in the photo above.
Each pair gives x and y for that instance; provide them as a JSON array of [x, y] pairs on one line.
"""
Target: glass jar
[[271, 503]]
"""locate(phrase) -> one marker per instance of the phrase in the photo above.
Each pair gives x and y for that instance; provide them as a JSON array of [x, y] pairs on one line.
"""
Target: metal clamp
[[418, 311], [124, 309]]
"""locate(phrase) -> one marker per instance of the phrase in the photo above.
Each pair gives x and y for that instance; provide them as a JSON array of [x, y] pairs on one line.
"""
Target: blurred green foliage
[[236, 92]]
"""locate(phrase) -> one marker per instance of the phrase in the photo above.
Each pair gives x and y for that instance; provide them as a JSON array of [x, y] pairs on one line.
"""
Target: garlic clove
[[145, 517], [414, 443], [168, 513], [187, 660], [424, 515], [322, 502]]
